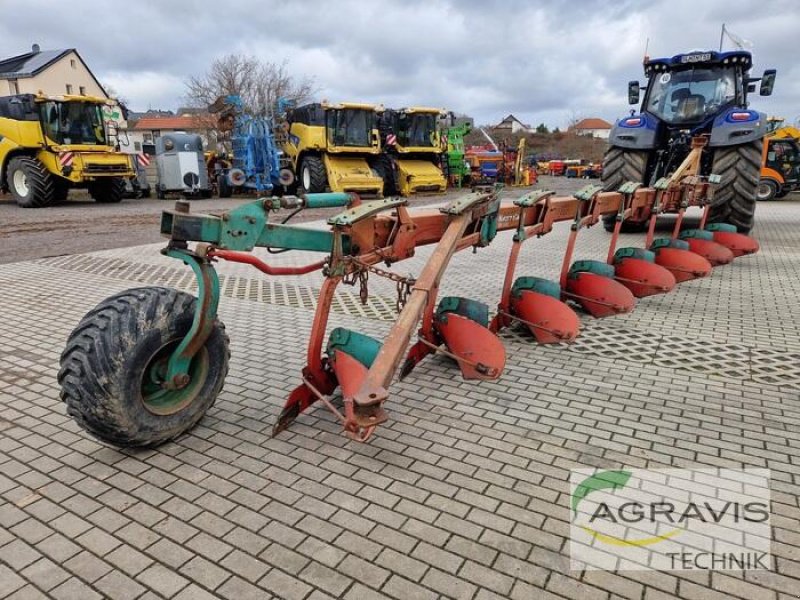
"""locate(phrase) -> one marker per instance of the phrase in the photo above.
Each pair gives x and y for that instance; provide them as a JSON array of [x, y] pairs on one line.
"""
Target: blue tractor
[[256, 162], [686, 96]]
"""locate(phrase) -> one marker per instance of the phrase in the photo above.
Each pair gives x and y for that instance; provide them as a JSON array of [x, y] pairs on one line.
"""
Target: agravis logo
[[672, 519]]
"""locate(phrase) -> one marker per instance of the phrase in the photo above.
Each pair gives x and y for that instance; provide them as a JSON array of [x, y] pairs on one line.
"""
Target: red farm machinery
[[146, 364]]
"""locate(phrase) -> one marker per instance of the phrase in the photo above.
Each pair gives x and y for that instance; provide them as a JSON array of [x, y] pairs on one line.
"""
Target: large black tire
[[734, 202], [109, 190], [223, 186], [30, 183], [384, 167], [313, 178], [110, 368], [621, 165]]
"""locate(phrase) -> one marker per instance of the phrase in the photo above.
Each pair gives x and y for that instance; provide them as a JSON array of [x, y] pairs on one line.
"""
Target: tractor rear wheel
[[384, 168], [109, 190], [30, 183], [621, 165], [113, 367], [313, 178], [734, 202]]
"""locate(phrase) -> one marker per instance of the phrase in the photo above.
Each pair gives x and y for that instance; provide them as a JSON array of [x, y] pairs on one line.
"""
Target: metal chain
[[361, 274]]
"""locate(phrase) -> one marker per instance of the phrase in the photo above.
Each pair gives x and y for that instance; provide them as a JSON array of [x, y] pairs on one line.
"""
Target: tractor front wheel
[[734, 201], [621, 165], [114, 365], [767, 190], [30, 183], [110, 190], [313, 178]]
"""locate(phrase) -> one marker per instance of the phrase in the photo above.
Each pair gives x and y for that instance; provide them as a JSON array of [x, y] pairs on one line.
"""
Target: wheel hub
[[306, 178], [21, 182], [161, 399]]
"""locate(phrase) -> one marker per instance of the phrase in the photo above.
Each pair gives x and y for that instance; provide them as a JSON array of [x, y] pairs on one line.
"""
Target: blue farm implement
[[255, 165], [160, 380]]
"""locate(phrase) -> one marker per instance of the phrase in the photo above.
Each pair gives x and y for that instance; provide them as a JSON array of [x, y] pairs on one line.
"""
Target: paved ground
[[462, 494]]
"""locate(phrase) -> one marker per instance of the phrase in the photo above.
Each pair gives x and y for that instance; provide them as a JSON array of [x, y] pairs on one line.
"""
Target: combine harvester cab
[[333, 147], [412, 151], [698, 95]]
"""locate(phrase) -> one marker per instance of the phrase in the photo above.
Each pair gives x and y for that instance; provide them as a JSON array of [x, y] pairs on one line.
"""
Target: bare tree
[[259, 83]]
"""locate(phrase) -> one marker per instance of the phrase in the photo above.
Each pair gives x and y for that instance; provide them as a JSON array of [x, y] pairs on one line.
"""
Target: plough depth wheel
[[113, 367]]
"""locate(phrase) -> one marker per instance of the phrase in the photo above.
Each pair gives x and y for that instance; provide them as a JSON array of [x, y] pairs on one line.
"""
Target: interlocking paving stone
[[461, 494]]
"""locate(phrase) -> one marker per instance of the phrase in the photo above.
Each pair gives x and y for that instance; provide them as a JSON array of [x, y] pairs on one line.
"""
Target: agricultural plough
[[145, 365]]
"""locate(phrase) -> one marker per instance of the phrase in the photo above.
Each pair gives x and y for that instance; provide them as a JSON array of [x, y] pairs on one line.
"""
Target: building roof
[[511, 118], [592, 123], [30, 63], [172, 123]]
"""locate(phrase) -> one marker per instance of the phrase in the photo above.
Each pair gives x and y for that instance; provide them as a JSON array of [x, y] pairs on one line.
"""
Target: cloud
[[543, 61]]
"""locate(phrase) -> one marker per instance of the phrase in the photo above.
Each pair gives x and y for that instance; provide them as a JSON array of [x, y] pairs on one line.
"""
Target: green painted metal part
[[366, 210], [662, 183], [532, 198], [696, 234], [638, 253], [629, 187], [361, 347], [669, 243], [592, 266], [463, 203], [329, 200], [726, 227], [466, 307], [204, 316], [489, 224], [538, 285], [587, 193], [242, 226], [715, 179], [299, 238]]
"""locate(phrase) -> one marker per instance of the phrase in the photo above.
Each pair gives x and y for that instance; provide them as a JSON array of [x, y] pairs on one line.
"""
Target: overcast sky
[[542, 60]]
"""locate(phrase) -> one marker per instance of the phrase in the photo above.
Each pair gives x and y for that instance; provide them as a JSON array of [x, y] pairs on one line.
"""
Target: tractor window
[[350, 127], [691, 95], [73, 122], [416, 130]]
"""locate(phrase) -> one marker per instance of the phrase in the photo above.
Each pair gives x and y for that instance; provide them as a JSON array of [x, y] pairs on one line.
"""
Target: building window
[[14, 86], [69, 88], [72, 63], [82, 90], [148, 138], [137, 146]]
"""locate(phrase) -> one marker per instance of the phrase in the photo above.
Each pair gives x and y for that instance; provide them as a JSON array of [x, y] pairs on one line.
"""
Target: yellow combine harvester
[[49, 144], [331, 146], [412, 151]]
